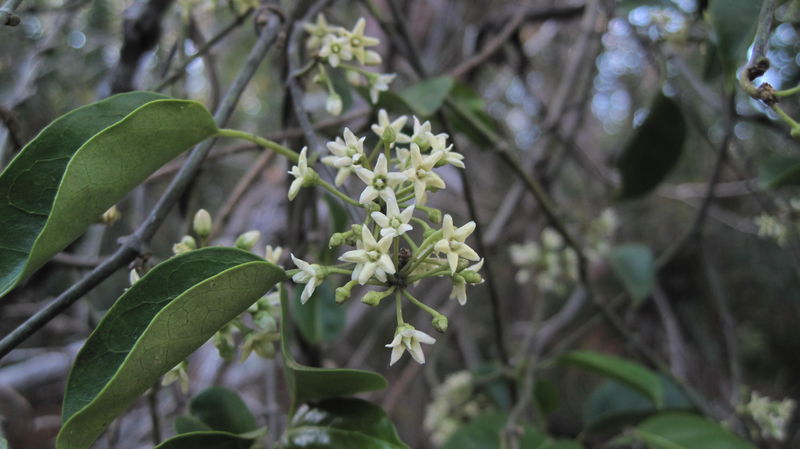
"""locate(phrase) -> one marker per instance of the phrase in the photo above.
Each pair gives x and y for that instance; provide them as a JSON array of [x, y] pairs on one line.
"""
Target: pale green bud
[[471, 277], [389, 135], [440, 323], [202, 223], [186, 244], [337, 239], [374, 297], [133, 277], [334, 104], [343, 292], [110, 216], [189, 241], [248, 240]]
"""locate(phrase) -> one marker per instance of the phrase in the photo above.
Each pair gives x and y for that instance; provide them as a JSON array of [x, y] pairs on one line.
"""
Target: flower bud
[[374, 297], [434, 215], [372, 58], [110, 216], [133, 276], [343, 292], [440, 323], [334, 104], [202, 223], [273, 255], [337, 239], [248, 240], [471, 277], [186, 244], [389, 135]]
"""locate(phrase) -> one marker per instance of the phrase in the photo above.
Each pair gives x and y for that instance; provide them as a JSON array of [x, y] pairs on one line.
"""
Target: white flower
[[358, 42], [310, 274], [397, 126], [525, 254], [303, 175], [318, 31], [371, 257], [422, 134], [273, 255], [446, 155], [452, 242], [394, 223], [551, 239], [408, 338], [335, 50], [378, 181], [422, 175], [379, 83], [346, 155], [334, 104], [372, 58], [460, 283]]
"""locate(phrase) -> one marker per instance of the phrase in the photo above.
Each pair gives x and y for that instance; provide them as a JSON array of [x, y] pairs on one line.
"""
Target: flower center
[[336, 48], [395, 222], [355, 41], [379, 182]]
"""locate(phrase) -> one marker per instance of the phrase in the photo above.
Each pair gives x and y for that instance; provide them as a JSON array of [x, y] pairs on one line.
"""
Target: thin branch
[[7, 16], [134, 243]]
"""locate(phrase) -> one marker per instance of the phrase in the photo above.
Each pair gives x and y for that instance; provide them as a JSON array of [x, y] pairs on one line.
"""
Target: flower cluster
[[782, 224], [771, 417], [337, 47], [392, 248], [456, 401]]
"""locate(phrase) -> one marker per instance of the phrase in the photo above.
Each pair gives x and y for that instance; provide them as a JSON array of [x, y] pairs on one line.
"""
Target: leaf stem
[[266, 143]]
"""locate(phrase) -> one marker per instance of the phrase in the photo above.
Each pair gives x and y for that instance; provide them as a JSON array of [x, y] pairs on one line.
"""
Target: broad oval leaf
[[206, 440], [82, 164], [309, 384], [687, 431], [472, 105], [613, 405], [483, 432], [426, 97], [152, 327], [625, 371], [222, 409], [777, 171], [320, 319], [654, 149], [342, 423], [634, 266], [734, 24]]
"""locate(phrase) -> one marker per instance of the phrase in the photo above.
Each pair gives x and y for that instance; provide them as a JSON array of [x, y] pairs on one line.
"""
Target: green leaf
[[613, 405], [222, 409], [777, 171], [187, 424], [206, 440], [152, 327], [82, 164], [342, 423], [654, 149], [625, 6], [629, 373], [734, 24], [426, 97], [341, 87], [634, 266], [309, 384], [546, 395], [483, 432], [687, 431], [470, 103], [320, 319]]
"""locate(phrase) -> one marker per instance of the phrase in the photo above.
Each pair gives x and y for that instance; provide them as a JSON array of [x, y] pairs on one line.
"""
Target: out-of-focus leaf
[[687, 431], [629, 373], [187, 424], [426, 97], [320, 319], [777, 171], [497, 388], [634, 266], [613, 405], [176, 307], [546, 395], [342, 87], [206, 440], [734, 24], [222, 409], [626, 6], [472, 104], [654, 149], [483, 432], [82, 164], [309, 384], [342, 423]]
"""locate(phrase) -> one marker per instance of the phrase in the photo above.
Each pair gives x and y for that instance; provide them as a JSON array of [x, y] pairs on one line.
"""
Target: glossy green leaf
[[309, 384], [629, 373], [734, 24], [687, 431], [483, 432], [341, 87], [634, 266], [654, 150], [613, 405], [152, 327], [342, 423], [320, 319], [82, 164], [426, 97], [470, 102], [187, 424], [206, 440], [222, 409], [777, 171]]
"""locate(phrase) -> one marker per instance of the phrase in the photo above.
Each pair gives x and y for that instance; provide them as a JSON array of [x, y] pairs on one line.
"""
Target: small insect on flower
[[407, 338]]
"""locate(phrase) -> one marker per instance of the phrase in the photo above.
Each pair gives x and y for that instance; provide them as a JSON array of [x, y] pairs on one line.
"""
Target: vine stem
[[135, 242]]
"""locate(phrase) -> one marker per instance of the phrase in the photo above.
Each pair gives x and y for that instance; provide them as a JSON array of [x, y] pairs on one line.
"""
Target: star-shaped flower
[[460, 282], [310, 274], [406, 337], [335, 50], [303, 175], [439, 146], [318, 31], [421, 174], [394, 223], [371, 257], [452, 242], [359, 42], [378, 181], [422, 133], [396, 126], [346, 155], [379, 83]]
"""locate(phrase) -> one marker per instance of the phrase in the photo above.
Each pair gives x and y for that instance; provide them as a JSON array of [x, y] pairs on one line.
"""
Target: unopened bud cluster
[[337, 47], [401, 241]]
